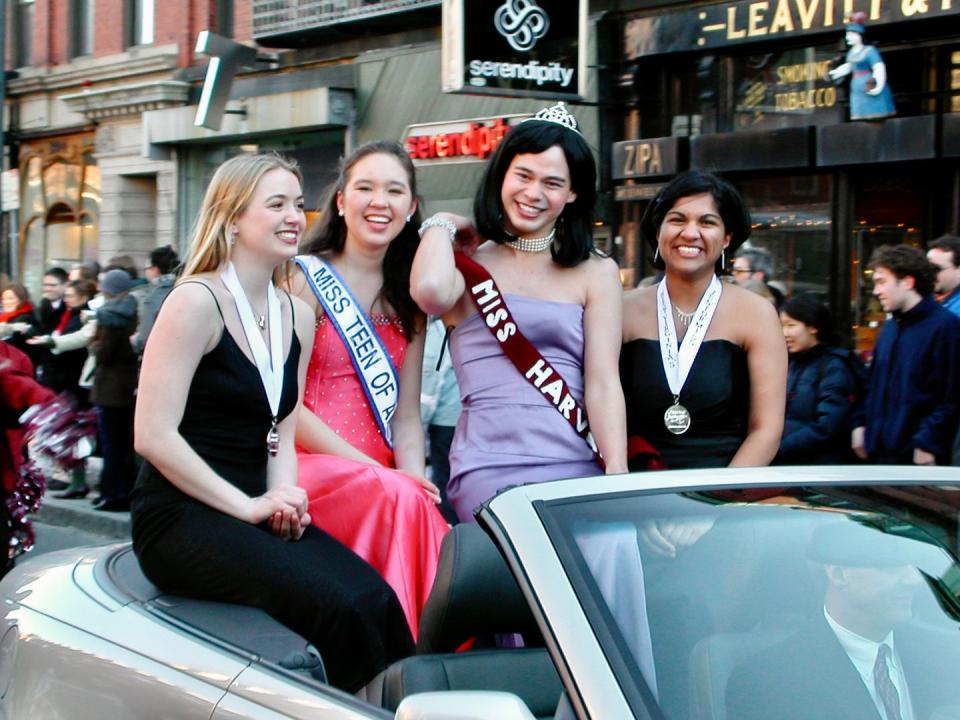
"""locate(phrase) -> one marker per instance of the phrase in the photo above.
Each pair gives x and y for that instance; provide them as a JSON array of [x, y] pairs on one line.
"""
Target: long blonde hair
[[226, 198]]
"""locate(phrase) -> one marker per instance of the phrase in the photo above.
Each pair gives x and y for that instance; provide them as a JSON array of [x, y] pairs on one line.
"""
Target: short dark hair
[[164, 259], [122, 262], [730, 205], [57, 272], [906, 261], [574, 239], [812, 314], [329, 234], [760, 260], [950, 244]]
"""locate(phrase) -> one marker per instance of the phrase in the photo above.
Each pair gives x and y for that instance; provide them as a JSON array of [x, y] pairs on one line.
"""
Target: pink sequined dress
[[382, 515]]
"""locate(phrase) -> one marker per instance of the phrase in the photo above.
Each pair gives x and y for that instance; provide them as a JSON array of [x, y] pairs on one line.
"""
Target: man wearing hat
[[860, 657], [114, 385]]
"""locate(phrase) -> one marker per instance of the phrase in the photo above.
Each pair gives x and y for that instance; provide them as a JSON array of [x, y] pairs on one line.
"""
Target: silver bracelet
[[439, 222]]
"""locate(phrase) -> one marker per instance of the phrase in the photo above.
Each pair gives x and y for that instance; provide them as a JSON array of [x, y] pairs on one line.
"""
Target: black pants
[[441, 437], [115, 429], [315, 586]]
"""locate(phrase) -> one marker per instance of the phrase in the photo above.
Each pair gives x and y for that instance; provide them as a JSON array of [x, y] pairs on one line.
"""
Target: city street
[[53, 537]]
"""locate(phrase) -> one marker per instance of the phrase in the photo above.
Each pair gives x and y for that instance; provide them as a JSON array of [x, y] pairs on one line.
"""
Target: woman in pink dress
[[361, 446]]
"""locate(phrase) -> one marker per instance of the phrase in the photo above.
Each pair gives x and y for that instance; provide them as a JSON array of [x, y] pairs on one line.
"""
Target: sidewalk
[[80, 514]]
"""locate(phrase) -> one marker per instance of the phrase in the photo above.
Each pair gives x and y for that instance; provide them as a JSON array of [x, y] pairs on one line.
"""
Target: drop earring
[[723, 258], [656, 254]]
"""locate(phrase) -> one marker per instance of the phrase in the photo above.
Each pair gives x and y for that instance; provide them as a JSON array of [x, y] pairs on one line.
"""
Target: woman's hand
[[287, 525], [289, 501], [432, 491], [44, 340]]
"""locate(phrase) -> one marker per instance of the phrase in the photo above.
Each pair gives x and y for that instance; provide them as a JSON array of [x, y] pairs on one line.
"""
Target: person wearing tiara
[[536, 317], [216, 510], [703, 364], [360, 438], [870, 96]]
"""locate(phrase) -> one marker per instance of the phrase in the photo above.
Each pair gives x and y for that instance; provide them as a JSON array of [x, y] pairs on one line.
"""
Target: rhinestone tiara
[[558, 114]]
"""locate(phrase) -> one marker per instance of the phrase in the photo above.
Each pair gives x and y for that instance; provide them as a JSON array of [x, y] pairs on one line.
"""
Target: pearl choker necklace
[[532, 245]]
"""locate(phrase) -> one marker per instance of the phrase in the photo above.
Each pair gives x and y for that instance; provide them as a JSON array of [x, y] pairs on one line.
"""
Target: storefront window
[[60, 206], [792, 219]]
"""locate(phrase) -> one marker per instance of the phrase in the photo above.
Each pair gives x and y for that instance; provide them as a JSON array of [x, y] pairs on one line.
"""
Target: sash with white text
[[521, 352], [371, 361]]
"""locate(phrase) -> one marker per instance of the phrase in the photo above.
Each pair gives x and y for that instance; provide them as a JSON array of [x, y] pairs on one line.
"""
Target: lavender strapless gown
[[508, 433]]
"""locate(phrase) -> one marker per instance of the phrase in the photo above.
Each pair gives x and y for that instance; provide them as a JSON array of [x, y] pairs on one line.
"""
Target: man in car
[[860, 656], [913, 397]]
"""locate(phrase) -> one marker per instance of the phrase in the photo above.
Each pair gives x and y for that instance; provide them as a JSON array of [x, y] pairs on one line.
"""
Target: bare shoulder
[[641, 297], [746, 315], [195, 294], [640, 313], [299, 286], [601, 267]]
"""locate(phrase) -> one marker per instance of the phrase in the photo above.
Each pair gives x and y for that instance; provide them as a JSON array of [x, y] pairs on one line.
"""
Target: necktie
[[886, 690]]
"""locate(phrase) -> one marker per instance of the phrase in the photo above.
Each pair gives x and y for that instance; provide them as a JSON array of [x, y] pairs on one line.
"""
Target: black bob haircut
[[574, 239], [733, 212], [813, 314]]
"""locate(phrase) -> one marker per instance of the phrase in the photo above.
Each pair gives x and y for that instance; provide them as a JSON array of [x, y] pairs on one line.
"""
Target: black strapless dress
[[316, 586], [717, 394]]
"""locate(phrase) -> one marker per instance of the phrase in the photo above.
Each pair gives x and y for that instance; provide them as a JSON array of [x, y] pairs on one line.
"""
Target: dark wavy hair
[[329, 235], [730, 205], [812, 314], [165, 259], [950, 244], [906, 261], [574, 239]]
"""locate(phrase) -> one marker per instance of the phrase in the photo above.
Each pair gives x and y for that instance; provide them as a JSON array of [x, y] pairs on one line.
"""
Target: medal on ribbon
[[677, 358], [269, 362]]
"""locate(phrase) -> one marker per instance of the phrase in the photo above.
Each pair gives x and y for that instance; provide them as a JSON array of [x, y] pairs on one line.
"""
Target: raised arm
[[169, 365], [435, 283], [767, 367], [603, 334]]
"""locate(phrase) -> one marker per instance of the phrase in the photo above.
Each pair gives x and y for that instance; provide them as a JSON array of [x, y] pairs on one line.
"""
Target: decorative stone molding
[[89, 71], [131, 99]]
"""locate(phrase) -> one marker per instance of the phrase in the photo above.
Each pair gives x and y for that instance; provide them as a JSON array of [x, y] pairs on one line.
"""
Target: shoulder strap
[[521, 352], [371, 361], [212, 294]]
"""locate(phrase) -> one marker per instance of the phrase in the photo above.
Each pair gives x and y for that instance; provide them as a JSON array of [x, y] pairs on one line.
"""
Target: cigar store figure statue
[[870, 96]]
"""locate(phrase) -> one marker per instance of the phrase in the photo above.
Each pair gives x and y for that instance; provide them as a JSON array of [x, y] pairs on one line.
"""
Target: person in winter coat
[[114, 385], [18, 391], [18, 320], [821, 388], [162, 275]]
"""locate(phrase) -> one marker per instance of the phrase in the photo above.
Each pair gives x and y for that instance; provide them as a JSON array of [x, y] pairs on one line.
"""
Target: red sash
[[521, 352]]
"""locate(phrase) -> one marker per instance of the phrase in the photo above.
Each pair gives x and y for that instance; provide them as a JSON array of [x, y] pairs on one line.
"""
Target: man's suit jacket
[[810, 677]]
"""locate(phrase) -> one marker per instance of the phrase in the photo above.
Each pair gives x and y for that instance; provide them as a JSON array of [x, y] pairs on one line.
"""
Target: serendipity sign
[[457, 141], [526, 48]]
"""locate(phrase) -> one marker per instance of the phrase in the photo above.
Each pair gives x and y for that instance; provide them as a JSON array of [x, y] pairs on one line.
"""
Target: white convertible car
[[804, 593]]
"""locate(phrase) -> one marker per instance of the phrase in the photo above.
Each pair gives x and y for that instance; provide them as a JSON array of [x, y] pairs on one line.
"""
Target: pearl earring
[[409, 217], [340, 213]]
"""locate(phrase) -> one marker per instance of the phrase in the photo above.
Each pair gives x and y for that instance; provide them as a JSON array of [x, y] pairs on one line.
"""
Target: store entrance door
[[889, 209]]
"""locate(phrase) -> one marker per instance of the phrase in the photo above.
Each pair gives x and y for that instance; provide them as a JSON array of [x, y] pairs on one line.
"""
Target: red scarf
[[68, 315], [23, 309]]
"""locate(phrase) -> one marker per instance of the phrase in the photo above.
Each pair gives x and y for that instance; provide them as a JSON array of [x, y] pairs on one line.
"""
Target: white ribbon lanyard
[[269, 363], [677, 362]]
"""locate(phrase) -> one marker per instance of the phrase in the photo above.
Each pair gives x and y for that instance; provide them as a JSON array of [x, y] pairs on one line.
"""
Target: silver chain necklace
[[684, 317], [532, 245]]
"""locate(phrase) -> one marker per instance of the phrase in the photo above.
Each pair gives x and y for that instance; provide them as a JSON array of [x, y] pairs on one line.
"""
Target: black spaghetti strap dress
[[316, 586]]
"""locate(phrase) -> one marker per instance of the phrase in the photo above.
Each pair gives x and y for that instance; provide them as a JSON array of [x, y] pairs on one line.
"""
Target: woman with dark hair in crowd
[[821, 388], [536, 317], [703, 363], [361, 434], [18, 320], [216, 510]]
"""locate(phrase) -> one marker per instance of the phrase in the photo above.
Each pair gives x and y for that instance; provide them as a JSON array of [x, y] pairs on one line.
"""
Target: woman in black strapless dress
[[726, 406], [216, 510]]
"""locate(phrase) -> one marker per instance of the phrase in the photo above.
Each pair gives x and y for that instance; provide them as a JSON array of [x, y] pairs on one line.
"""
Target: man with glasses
[[944, 252], [52, 307], [754, 263]]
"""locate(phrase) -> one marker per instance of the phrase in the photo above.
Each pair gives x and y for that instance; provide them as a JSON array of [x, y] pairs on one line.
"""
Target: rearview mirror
[[463, 705]]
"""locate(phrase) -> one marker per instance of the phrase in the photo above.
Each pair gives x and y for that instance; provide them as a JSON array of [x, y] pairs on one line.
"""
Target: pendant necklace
[[684, 318], [269, 361], [677, 358]]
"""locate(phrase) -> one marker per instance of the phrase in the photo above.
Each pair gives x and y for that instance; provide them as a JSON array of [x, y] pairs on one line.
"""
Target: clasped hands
[[284, 509]]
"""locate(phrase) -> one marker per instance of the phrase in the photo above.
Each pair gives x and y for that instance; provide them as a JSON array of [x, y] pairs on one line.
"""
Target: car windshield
[[806, 602]]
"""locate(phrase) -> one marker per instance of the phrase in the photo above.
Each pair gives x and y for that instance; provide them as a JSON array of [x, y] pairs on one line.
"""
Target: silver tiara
[[558, 114]]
